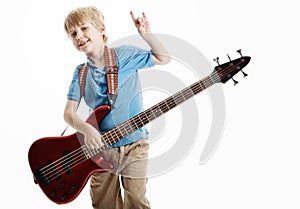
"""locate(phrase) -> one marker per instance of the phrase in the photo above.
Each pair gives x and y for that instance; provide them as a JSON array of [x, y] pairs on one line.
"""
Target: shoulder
[[126, 51], [127, 48], [78, 67], [77, 70], [133, 57]]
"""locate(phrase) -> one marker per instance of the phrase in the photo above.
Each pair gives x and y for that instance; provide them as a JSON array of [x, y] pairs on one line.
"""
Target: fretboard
[[116, 134]]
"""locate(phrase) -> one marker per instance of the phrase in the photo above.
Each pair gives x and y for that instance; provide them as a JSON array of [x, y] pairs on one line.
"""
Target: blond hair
[[78, 16]]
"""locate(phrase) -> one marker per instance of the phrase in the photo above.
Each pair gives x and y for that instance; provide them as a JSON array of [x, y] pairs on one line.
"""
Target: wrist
[[147, 36]]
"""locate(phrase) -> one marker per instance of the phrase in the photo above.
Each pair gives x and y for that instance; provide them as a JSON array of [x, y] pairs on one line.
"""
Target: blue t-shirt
[[129, 100]]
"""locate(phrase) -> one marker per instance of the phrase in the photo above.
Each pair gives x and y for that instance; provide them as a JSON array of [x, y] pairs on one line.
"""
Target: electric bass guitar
[[62, 165]]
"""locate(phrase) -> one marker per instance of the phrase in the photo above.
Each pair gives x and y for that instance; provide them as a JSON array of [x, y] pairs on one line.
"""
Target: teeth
[[82, 44]]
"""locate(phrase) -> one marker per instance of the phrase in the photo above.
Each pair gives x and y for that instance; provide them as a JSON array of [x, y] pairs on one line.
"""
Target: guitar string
[[57, 170], [69, 159], [51, 170], [75, 160], [70, 156], [64, 162]]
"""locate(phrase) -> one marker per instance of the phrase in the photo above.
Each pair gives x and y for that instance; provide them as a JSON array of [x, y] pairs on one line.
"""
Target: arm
[[92, 137], [160, 54]]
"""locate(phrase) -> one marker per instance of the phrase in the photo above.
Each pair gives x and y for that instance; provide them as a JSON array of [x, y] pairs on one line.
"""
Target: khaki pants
[[130, 166]]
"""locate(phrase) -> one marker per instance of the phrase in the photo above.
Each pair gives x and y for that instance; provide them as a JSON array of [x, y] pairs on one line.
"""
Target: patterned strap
[[82, 79], [111, 74]]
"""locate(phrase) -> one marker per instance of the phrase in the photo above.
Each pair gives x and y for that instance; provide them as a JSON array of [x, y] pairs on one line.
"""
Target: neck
[[97, 57]]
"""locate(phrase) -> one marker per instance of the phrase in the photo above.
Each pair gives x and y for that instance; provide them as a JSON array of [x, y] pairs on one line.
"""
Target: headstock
[[227, 70]]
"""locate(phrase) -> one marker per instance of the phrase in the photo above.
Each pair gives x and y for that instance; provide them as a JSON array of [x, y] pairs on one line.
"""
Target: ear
[[102, 29]]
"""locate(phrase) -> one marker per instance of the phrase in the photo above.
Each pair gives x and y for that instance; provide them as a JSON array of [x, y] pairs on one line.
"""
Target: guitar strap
[[111, 70], [82, 79]]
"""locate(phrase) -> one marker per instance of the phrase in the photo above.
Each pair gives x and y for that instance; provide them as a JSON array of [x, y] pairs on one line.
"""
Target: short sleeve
[[74, 88], [134, 58]]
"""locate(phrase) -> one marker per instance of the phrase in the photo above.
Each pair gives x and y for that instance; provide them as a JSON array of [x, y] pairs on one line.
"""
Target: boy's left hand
[[141, 23]]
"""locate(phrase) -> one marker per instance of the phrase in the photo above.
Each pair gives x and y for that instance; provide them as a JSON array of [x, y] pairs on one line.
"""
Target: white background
[[256, 163]]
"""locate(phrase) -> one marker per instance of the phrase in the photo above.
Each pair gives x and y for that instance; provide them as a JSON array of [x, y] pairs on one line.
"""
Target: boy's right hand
[[92, 138]]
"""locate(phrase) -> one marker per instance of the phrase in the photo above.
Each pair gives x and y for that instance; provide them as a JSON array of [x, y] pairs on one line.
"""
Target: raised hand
[[141, 23]]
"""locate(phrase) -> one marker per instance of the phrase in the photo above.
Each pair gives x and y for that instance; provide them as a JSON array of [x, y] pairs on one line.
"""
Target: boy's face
[[87, 38]]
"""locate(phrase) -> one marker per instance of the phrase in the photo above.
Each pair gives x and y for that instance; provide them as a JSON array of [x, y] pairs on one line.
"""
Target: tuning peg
[[228, 57], [245, 74], [234, 81], [217, 61], [240, 52]]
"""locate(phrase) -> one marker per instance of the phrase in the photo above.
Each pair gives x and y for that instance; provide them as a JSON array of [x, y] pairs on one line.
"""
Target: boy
[[85, 26]]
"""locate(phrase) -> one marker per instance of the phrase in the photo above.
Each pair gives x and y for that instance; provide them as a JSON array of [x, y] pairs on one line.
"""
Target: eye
[[84, 28], [73, 34]]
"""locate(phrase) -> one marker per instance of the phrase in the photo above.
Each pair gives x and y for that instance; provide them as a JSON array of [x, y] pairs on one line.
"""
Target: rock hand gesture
[[141, 23]]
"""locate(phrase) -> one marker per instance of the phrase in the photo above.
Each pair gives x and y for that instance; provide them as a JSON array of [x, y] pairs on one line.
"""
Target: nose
[[79, 35]]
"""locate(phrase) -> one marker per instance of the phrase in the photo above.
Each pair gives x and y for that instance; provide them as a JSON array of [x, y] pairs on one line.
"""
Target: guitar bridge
[[42, 178]]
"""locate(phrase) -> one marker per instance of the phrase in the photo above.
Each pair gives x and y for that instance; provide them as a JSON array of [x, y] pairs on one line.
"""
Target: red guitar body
[[60, 166]]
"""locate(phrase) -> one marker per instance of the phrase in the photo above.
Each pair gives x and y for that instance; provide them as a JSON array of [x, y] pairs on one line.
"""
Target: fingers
[[132, 16], [144, 16], [141, 23], [94, 144], [139, 20], [93, 139]]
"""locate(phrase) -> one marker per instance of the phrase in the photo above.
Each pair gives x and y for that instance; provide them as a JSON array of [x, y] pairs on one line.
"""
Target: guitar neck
[[116, 134]]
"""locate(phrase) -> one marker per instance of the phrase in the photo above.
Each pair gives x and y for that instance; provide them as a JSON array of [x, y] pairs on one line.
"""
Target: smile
[[81, 44]]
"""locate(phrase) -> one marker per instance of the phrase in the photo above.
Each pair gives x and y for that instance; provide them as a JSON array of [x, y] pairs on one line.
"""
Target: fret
[[122, 130], [145, 118], [142, 120], [133, 124], [156, 111], [110, 138], [163, 107], [170, 102], [178, 98], [129, 129], [117, 134], [150, 115], [197, 87], [202, 86], [166, 105], [138, 122], [88, 152], [85, 151], [114, 134], [211, 79], [187, 93], [106, 141], [106, 137]]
